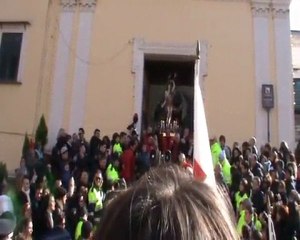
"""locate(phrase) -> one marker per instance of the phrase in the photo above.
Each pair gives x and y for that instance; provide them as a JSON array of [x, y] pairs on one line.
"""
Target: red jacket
[[128, 165]]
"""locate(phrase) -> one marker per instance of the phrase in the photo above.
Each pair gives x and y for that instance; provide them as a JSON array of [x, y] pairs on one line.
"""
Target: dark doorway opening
[[157, 75]]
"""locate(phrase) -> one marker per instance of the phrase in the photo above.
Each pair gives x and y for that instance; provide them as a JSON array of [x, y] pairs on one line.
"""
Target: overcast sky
[[295, 15]]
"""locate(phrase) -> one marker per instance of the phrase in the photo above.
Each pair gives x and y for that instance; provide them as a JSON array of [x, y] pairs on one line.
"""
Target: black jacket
[[57, 233], [289, 185], [258, 201], [257, 170]]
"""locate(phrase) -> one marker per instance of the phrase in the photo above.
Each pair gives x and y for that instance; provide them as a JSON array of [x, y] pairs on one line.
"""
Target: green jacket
[[242, 222], [78, 229], [96, 196], [239, 199], [215, 152], [112, 174], [117, 149], [226, 168]]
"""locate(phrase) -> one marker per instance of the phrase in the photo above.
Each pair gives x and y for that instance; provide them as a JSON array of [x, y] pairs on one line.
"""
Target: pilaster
[[61, 66], [261, 11], [284, 71], [82, 64]]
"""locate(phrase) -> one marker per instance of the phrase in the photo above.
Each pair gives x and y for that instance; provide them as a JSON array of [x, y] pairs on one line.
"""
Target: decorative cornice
[[87, 5], [168, 49], [281, 8], [68, 5], [84, 5], [261, 8], [280, 12], [225, 0]]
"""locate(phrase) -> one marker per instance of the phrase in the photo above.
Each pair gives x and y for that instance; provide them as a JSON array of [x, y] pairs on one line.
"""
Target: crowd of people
[[64, 195], [263, 185]]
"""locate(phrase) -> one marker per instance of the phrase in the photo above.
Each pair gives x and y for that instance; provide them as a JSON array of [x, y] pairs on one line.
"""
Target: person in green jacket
[[242, 194], [112, 171], [226, 168], [117, 147], [215, 150], [87, 232], [96, 197], [248, 217], [83, 216]]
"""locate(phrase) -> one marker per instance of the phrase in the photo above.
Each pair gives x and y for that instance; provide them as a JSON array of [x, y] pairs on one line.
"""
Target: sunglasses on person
[[98, 178]]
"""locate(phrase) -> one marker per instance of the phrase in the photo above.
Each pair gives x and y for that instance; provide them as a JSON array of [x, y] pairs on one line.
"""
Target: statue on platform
[[168, 104], [172, 109]]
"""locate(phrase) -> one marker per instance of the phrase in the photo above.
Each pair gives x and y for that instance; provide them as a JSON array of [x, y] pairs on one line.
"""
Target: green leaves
[[41, 132]]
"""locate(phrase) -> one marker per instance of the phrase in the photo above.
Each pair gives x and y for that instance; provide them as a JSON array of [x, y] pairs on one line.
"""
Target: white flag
[[272, 234], [203, 165]]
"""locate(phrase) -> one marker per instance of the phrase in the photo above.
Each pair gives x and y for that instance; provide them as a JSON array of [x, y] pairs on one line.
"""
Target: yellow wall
[[227, 26], [18, 102], [229, 87]]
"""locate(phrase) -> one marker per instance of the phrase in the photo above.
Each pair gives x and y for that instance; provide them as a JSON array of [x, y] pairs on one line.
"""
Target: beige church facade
[[81, 63]]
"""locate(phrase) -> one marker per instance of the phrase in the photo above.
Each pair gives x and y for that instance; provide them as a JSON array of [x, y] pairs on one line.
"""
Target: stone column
[[138, 71], [261, 13], [284, 71], [82, 64], [61, 68]]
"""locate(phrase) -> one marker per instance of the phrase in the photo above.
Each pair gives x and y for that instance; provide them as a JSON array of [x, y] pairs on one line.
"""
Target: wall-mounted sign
[[267, 96]]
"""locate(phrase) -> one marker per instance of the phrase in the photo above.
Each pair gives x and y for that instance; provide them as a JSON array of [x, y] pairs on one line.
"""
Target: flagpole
[[202, 165], [271, 230]]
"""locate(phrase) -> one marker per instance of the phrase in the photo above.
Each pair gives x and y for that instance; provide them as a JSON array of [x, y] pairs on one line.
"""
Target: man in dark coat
[[256, 167], [36, 206], [94, 143], [246, 173], [289, 181], [257, 195], [58, 232]]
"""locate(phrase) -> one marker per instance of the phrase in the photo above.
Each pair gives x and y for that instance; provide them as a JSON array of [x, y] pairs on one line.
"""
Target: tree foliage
[[3, 172], [41, 132], [26, 145]]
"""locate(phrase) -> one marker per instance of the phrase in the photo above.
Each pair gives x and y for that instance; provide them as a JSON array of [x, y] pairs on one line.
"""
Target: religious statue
[[167, 104], [169, 112]]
